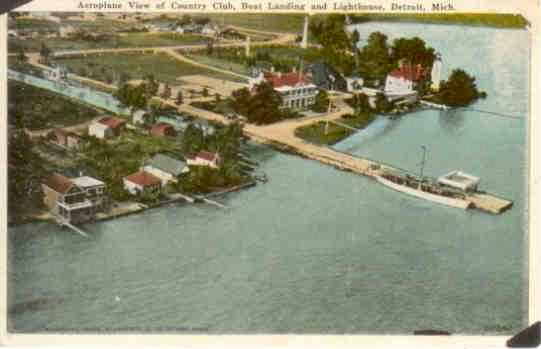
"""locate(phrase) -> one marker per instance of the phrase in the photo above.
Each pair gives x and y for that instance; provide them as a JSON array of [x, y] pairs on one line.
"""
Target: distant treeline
[[475, 19]]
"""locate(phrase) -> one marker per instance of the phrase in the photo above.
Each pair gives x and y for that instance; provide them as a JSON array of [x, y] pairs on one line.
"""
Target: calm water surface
[[314, 250]]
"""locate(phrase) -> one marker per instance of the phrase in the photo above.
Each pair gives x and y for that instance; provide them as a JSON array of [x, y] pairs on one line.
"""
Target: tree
[[205, 92], [217, 97], [321, 102], [166, 94], [355, 37], [202, 20], [210, 47], [25, 172], [44, 53], [151, 85], [134, 97], [21, 56], [360, 103], [374, 60], [193, 139], [179, 99], [413, 50], [459, 90], [382, 104]]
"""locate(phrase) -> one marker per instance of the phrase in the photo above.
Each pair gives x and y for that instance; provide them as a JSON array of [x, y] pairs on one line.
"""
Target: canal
[[314, 250]]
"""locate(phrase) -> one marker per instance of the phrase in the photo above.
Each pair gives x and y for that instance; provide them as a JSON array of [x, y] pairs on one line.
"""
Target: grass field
[[35, 108], [113, 41], [31, 24], [315, 132], [279, 55], [134, 65], [476, 19]]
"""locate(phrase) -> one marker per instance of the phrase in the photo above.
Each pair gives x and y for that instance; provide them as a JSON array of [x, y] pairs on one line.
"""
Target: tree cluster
[[261, 106], [459, 90]]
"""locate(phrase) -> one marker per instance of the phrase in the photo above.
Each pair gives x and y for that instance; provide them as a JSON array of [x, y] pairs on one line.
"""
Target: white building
[[165, 168], [12, 33], [354, 83], [406, 79], [99, 130], [460, 180], [296, 90], [58, 74], [139, 117], [142, 183], [204, 158], [95, 191], [436, 74]]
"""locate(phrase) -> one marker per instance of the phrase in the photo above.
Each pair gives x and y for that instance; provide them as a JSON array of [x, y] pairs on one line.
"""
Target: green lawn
[[281, 56], [134, 65], [113, 41], [315, 133], [35, 108], [283, 23], [32, 24], [477, 19]]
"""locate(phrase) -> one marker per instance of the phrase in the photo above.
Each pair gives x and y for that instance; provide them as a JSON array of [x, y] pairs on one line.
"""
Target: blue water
[[314, 250]]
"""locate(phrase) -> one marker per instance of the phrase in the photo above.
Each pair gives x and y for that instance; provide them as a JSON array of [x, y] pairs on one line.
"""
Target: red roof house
[[113, 123], [203, 158], [288, 79], [142, 182], [408, 71], [163, 129], [59, 183]]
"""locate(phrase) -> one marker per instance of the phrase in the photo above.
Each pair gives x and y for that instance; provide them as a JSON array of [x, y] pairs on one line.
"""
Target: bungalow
[[296, 90], [58, 74], [163, 129], [66, 199], [166, 168], [95, 191], [406, 79], [66, 139], [105, 128], [142, 183], [203, 158]]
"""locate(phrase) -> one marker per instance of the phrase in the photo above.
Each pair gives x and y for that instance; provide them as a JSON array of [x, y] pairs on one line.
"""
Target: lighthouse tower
[[247, 47], [436, 74], [304, 42]]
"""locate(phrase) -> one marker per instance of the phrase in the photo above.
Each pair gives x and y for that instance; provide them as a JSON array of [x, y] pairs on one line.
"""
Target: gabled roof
[[161, 128], [408, 71], [111, 122], [289, 79], [167, 164], [206, 155], [143, 179], [58, 183]]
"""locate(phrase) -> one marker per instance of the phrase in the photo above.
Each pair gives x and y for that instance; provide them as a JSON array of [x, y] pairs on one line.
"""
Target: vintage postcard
[[331, 171]]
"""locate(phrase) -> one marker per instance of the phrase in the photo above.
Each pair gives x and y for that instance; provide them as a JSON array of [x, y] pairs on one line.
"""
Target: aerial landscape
[[267, 173]]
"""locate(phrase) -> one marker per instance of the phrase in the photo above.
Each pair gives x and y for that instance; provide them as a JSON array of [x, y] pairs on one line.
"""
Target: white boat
[[418, 192]]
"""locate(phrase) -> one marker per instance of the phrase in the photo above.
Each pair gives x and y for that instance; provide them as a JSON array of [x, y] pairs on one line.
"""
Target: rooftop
[[86, 181], [143, 178], [167, 164], [111, 122], [58, 183], [409, 71], [289, 79]]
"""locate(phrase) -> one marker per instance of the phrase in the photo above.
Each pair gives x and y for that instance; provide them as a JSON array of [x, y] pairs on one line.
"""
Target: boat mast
[[423, 161]]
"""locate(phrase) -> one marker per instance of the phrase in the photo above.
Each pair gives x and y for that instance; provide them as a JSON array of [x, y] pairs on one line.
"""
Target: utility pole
[[327, 121]]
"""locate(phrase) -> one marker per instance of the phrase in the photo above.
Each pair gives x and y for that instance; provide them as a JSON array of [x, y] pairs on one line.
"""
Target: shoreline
[[46, 216]]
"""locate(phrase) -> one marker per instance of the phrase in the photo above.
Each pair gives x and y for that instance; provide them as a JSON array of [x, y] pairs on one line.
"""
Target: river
[[314, 250]]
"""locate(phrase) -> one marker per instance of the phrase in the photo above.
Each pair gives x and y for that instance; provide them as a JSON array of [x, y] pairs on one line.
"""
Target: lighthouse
[[304, 42], [247, 47], [436, 74]]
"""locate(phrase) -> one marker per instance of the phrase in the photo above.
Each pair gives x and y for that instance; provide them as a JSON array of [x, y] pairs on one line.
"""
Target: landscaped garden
[[322, 134]]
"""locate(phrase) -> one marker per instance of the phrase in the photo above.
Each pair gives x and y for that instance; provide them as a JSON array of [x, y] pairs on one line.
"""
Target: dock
[[64, 223], [435, 105], [489, 203]]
